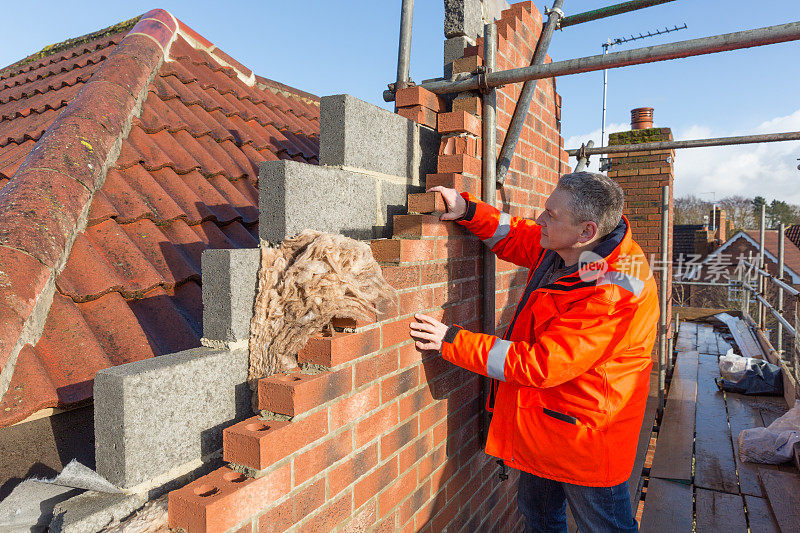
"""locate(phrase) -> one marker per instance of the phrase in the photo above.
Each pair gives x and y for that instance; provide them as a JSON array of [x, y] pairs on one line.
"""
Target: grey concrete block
[[356, 134], [467, 17], [296, 196], [155, 415], [230, 279], [454, 48]]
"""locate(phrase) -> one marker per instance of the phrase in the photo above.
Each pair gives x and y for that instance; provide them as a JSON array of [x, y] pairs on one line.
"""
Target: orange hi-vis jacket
[[573, 368]]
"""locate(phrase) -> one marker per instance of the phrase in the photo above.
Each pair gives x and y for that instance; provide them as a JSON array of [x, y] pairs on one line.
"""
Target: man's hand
[[428, 332], [456, 205]]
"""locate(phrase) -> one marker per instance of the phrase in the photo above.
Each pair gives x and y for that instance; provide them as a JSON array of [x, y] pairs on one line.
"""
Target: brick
[[396, 331], [401, 276], [424, 226], [396, 492], [460, 164], [459, 122], [339, 348], [218, 501], [351, 471], [434, 273], [426, 202], [318, 459], [414, 403], [258, 443], [460, 144], [416, 301], [331, 515], [458, 182], [417, 96], [467, 64], [398, 438], [394, 386], [295, 393], [376, 481], [402, 250], [419, 114], [352, 408], [375, 425], [416, 451], [470, 103]]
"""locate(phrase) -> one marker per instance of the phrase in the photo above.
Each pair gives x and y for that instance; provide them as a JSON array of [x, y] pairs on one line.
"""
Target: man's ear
[[589, 232]]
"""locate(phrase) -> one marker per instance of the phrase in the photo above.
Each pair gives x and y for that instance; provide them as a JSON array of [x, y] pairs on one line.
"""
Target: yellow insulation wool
[[302, 285]]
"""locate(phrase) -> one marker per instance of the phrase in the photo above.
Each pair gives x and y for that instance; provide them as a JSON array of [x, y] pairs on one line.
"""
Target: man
[[571, 374]]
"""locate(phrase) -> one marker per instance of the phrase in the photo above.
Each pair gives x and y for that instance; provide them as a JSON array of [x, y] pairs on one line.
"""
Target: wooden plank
[[751, 347], [673, 455], [635, 481], [760, 516], [687, 337], [667, 507], [719, 511], [715, 467], [722, 345], [744, 412], [783, 495], [706, 340]]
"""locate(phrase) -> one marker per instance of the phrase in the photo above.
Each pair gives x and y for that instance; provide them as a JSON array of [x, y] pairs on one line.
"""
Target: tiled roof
[[790, 250], [185, 180]]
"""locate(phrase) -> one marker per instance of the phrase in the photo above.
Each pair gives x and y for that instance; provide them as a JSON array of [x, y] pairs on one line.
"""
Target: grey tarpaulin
[[29, 507]]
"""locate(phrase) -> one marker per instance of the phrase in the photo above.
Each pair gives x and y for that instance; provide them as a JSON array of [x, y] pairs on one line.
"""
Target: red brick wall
[[642, 175], [387, 438]]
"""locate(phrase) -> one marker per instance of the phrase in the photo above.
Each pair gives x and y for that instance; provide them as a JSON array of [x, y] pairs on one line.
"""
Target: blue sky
[[350, 46]]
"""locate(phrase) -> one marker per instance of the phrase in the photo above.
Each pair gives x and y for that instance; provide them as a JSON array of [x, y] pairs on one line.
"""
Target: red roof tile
[[185, 181]]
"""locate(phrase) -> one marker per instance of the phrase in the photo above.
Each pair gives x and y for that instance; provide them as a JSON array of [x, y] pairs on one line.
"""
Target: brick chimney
[[642, 174]]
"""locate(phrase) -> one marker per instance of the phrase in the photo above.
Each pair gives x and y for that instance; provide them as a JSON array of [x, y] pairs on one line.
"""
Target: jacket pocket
[[559, 409]]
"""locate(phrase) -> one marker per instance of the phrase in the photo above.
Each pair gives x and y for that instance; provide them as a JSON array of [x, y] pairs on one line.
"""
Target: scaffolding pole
[[488, 193], [762, 312], [781, 257], [404, 49], [693, 47], [526, 96], [694, 143], [609, 11], [663, 299]]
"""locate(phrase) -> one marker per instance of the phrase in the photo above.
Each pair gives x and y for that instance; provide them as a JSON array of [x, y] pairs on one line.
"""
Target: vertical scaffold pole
[[762, 319], [404, 50], [489, 192], [663, 296], [781, 256]]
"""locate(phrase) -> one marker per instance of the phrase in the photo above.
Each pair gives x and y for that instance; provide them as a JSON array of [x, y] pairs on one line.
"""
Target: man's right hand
[[456, 205]]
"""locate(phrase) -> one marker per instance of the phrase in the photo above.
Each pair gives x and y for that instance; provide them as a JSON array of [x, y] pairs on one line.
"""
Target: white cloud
[[767, 169]]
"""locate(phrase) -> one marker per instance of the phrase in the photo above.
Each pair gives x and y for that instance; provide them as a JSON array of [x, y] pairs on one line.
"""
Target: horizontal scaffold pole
[[694, 143], [694, 47], [609, 11]]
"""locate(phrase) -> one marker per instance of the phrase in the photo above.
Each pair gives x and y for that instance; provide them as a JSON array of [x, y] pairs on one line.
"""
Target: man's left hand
[[428, 332]]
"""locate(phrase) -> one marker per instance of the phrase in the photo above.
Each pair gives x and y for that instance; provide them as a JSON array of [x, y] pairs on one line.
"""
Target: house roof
[[112, 221], [752, 237]]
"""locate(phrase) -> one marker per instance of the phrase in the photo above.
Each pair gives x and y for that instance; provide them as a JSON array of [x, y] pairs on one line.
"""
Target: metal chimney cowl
[[641, 118]]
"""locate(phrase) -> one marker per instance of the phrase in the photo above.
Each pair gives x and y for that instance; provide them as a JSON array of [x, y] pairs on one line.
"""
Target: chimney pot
[[641, 118]]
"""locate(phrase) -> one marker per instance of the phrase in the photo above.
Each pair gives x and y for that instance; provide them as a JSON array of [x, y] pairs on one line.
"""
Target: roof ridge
[[46, 205]]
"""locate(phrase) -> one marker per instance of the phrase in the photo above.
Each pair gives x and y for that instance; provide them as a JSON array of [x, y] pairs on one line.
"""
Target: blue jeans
[[543, 504]]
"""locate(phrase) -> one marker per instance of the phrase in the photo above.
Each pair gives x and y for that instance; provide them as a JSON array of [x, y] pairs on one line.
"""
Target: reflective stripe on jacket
[[574, 365]]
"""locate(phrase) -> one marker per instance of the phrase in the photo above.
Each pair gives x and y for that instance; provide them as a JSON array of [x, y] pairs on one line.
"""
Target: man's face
[[559, 230]]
